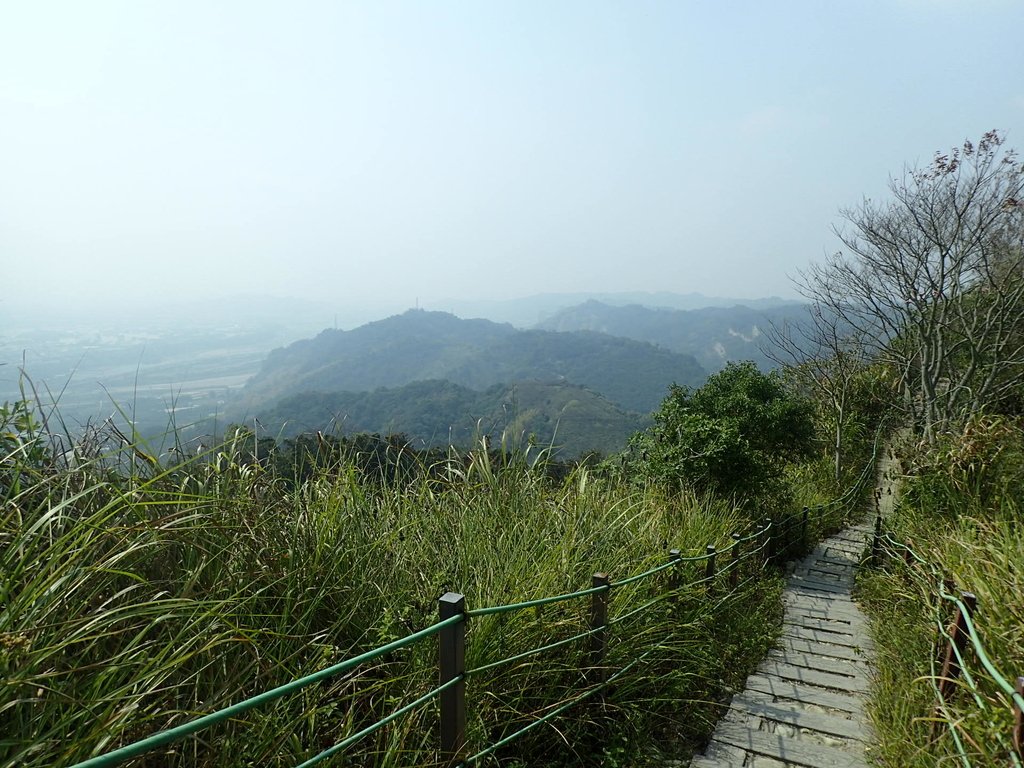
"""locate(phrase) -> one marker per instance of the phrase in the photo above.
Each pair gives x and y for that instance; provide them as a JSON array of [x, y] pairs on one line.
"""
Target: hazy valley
[[582, 379]]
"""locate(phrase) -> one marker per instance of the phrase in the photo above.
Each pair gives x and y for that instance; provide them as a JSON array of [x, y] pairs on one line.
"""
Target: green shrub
[[733, 436]]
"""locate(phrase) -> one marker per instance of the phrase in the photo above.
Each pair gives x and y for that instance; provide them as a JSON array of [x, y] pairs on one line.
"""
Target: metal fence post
[[674, 556], [803, 527], [735, 572], [452, 664], [598, 626]]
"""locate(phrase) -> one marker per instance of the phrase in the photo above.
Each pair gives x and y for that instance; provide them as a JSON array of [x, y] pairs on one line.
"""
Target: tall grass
[[134, 601], [957, 514]]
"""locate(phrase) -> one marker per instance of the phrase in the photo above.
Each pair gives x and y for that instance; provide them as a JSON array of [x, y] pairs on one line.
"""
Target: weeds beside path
[[949, 504]]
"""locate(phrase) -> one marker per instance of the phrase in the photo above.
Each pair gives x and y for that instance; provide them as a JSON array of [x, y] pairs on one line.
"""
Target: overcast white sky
[[403, 151]]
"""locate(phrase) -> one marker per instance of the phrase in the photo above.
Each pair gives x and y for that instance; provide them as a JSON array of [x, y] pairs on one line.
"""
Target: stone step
[[822, 649], [813, 677], [797, 588], [833, 638], [798, 717], [834, 620], [789, 750], [789, 691], [842, 624], [836, 623], [826, 573], [848, 667]]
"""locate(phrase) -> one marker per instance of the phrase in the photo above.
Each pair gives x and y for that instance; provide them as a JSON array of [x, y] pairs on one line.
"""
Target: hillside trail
[[805, 704]]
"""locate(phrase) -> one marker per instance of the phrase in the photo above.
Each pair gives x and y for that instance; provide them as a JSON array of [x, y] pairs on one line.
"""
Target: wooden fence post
[[954, 651], [735, 572], [1018, 720], [452, 664], [765, 537], [598, 626], [709, 571], [674, 556]]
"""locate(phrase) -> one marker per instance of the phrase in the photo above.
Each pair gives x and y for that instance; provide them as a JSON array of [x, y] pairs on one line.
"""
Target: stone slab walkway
[[804, 706]]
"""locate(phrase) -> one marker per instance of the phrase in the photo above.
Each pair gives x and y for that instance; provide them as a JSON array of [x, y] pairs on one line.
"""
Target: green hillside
[[419, 346], [414, 346], [437, 413]]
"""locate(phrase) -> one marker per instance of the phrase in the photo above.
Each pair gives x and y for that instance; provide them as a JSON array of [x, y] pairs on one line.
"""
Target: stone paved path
[[804, 706]]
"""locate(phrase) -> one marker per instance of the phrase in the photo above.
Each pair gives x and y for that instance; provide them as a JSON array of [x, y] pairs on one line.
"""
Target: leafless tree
[[825, 356], [932, 281]]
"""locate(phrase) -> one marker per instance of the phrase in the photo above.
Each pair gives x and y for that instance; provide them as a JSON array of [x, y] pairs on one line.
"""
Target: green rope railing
[[200, 723], [341, 745], [645, 574], [533, 651], [490, 611], [554, 713]]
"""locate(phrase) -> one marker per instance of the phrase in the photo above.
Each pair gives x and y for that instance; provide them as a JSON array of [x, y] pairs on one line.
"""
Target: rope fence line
[[949, 667], [769, 536]]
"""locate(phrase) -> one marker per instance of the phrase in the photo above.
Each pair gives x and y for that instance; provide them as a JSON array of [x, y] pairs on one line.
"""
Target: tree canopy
[[733, 435]]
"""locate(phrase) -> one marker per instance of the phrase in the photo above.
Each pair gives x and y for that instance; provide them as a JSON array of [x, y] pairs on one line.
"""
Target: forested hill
[[478, 354], [570, 418], [713, 335]]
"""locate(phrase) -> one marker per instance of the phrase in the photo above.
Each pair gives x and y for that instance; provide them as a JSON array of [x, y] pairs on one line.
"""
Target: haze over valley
[[573, 382]]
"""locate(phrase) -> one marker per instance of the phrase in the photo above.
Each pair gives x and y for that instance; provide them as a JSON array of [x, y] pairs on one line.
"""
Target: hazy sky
[[356, 151]]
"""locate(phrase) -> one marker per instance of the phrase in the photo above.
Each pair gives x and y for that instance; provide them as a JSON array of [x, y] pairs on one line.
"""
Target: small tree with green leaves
[[732, 436]]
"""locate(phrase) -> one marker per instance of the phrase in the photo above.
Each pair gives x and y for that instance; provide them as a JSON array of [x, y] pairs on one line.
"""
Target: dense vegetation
[[931, 292], [571, 420], [734, 436], [960, 512], [478, 354], [137, 595]]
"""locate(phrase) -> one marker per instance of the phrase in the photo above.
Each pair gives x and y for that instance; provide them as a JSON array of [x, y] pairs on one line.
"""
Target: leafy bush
[[733, 436]]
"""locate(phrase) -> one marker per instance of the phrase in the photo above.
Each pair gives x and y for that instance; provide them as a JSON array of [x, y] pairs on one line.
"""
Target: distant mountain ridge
[[594, 370], [530, 311], [713, 335]]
